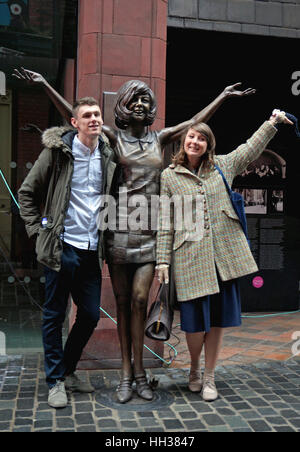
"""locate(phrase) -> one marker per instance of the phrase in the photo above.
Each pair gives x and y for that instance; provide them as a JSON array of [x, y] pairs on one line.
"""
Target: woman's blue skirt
[[222, 310]]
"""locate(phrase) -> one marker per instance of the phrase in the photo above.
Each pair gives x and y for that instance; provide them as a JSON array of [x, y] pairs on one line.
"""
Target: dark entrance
[[199, 65]]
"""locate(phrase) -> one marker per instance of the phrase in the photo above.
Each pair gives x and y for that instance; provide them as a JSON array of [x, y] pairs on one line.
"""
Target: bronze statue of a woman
[[130, 251]]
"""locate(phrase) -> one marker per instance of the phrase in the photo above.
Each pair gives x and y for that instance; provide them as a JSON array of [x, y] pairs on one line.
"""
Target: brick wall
[[33, 108], [260, 17], [41, 15]]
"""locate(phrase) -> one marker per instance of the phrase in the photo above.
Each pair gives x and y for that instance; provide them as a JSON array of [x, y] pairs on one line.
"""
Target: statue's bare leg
[[142, 281], [131, 285], [121, 278]]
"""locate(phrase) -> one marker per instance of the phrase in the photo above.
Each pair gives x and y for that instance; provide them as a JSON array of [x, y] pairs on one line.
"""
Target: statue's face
[[140, 106]]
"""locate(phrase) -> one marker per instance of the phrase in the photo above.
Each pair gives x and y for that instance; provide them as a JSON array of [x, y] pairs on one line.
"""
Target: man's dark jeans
[[80, 276]]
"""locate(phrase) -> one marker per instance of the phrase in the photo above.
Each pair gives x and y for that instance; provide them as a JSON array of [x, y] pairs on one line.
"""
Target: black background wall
[[199, 65]]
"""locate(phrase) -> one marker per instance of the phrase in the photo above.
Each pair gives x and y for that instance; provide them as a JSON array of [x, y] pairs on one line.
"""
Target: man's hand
[[231, 91], [28, 76]]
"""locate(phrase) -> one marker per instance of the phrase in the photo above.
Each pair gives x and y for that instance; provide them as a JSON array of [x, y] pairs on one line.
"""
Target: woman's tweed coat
[[220, 242]]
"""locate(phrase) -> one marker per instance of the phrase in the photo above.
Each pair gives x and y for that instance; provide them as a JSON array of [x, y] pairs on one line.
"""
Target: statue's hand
[[231, 91], [28, 76]]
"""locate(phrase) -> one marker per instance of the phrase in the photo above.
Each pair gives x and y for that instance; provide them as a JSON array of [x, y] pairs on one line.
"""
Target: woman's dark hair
[[90, 101], [207, 160], [125, 95]]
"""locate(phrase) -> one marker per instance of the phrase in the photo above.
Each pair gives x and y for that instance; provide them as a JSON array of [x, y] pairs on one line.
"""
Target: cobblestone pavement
[[263, 396]]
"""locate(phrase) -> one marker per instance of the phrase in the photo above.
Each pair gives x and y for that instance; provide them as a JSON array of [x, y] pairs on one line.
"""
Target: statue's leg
[[121, 278], [142, 281]]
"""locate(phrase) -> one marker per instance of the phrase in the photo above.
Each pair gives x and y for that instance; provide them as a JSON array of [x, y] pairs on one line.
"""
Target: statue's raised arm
[[62, 105], [64, 108], [171, 134]]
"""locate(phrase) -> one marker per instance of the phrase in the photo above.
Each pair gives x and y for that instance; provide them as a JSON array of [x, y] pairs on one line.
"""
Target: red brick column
[[120, 40]]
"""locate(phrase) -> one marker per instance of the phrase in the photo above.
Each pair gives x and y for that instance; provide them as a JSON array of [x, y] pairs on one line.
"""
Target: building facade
[[187, 51]]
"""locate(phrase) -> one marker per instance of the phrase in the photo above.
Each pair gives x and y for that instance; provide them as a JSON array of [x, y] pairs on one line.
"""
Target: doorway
[[5, 160]]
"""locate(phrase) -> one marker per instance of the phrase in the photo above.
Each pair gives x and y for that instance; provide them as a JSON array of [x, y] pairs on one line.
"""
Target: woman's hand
[[28, 76], [231, 91], [279, 116], [163, 273]]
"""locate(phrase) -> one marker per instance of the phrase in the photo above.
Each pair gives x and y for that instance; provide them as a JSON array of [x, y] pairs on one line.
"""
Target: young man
[[72, 172]]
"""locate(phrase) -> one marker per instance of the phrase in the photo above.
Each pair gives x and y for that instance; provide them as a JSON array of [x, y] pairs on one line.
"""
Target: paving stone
[[241, 406], [6, 415], [83, 407], [202, 407], [259, 426], [43, 415], [284, 429], [257, 401], [188, 414], [235, 422], [84, 418], [87, 429], [276, 420], [195, 425], [23, 421], [25, 404], [105, 423], [249, 414], [295, 422], [213, 419], [148, 422], [289, 414], [145, 414], [129, 424], [23, 413], [62, 412], [173, 424], [260, 397], [64, 422], [42, 424], [22, 429]]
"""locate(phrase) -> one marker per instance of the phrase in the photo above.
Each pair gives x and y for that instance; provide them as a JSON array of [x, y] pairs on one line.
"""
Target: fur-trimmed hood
[[53, 138], [58, 137]]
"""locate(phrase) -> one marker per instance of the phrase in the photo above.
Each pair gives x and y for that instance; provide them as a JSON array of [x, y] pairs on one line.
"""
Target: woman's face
[[195, 144], [140, 106]]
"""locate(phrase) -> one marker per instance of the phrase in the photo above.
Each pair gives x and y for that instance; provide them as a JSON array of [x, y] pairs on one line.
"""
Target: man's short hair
[[83, 101]]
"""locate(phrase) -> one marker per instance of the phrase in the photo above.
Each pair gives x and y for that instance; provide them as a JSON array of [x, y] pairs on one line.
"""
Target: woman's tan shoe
[[209, 390], [195, 381]]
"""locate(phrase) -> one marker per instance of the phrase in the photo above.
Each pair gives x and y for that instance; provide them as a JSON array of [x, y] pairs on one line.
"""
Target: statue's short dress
[[136, 193]]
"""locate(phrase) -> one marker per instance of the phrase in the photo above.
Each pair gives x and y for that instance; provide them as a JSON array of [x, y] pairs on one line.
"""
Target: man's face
[[88, 121]]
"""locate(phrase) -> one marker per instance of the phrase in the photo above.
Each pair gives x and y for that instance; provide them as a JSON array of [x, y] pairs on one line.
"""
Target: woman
[[130, 252], [208, 263]]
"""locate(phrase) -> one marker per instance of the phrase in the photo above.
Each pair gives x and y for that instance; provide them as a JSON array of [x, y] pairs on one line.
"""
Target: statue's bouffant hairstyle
[[207, 159], [125, 95]]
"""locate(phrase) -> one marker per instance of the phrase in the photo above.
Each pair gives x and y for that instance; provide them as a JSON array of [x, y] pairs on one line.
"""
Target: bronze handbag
[[160, 316]]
